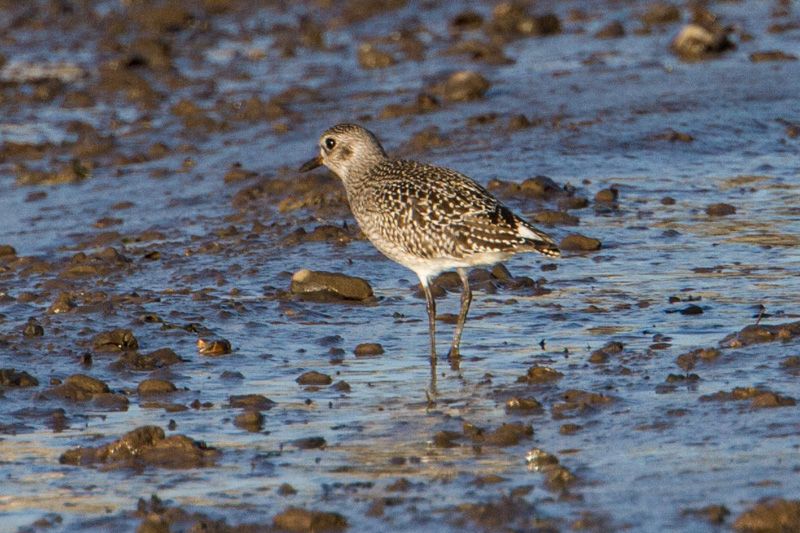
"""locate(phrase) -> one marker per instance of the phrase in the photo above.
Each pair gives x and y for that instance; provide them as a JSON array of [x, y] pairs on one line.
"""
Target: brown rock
[[540, 374], [772, 55], [370, 57], [118, 340], [661, 13], [10, 377], [368, 349], [310, 443], [299, 520], [313, 377], [523, 405], [720, 210], [771, 516], [612, 30], [214, 347], [257, 402], [142, 447], [465, 85], [155, 386], [249, 420], [339, 286], [86, 384], [756, 334], [556, 218], [607, 196], [579, 243]]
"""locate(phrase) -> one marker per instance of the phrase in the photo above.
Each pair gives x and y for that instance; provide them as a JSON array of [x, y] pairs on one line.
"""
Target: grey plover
[[429, 219]]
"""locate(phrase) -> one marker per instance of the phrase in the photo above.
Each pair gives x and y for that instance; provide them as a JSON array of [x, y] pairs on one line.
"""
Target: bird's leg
[[466, 300], [431, 305]]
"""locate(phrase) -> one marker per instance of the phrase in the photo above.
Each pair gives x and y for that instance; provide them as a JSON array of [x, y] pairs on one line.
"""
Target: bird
[[427, 218]]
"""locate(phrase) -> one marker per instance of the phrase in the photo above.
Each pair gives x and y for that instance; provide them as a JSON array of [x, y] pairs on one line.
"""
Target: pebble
[[310, 283], [155, 386], [312, 377], [297, 520], [576, 242], [368, 349], [213, 347], [720, 210], [465, 85]]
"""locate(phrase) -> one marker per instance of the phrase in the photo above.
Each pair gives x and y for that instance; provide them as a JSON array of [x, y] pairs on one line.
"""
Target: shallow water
[[640, 461]]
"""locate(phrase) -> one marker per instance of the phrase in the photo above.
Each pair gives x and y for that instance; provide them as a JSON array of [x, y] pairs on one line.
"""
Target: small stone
[[312, 377], [286, 490], [10, 377], [156, 386], [776, 515], [612, 30], [318, 283], [257, 402], [772, 55], [249, 420], [213, 347], [465, 85], [310, 443], [370, 57], [720, 210], [523, 405], [576, 242], [117, 340], [368, 349], [540, 374], [297, 520], [607, 196], [33, 329], [63, 304]]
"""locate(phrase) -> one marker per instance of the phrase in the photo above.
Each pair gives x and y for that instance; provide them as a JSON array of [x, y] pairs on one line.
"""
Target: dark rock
[[759, 398], [612, 30], [312, 284], [770, 516], [155, 386], [10, 377], [523, 405], [299, 520], [341, 386], [145, 446], [370, 57], [64, 303], [607, 196], [368, 349], [772, 55], [465, 85], [257, 402], [720, 210], [539, 459], [661, 13], [286, 490], [313, 377], [310, 443], [161, 358], [555, 218], [757, 334], [687, 361], [118, 340], [540, 374], [214, 347], [249, 420], [576, 242]]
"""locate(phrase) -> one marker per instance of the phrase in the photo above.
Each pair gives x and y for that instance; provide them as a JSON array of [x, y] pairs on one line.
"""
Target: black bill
[[312, 164]]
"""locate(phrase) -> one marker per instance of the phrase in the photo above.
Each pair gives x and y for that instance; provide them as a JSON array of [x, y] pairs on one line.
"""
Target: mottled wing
[[441, 213]]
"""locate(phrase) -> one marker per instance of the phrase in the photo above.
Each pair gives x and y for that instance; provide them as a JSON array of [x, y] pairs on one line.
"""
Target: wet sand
[[164, 369]]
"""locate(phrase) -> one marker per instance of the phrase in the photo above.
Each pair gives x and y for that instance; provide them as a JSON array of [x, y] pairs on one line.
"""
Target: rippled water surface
[[208, 264]]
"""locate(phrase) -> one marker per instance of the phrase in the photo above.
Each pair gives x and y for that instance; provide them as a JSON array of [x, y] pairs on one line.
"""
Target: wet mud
[[194, 336]]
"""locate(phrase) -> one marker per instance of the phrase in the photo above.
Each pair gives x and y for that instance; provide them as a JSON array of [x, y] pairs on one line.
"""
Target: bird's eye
[[330, 143]]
